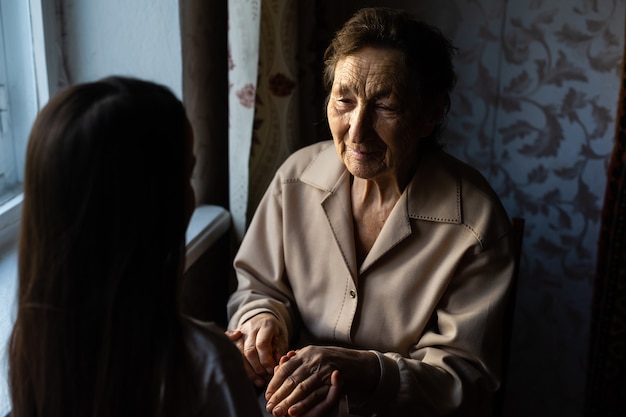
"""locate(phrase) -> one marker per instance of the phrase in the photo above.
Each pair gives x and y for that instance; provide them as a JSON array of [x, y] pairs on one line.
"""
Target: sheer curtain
[[244, 18]]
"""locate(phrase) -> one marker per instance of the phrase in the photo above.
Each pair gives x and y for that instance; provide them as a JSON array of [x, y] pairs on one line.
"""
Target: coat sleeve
[[454, 367], [259, 266]]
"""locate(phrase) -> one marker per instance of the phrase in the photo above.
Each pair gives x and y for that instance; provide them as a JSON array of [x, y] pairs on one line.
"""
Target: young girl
[[107, 200]]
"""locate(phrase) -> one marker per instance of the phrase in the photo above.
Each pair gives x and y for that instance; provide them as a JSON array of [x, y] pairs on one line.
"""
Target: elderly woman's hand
[[310, 381], [261, 342]]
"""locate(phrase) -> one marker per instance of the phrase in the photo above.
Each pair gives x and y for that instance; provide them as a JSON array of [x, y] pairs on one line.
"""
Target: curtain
[[244, 18], [276, 122], [203, 30], [606, 380], [287, 113], [205, 92], [220, 48]]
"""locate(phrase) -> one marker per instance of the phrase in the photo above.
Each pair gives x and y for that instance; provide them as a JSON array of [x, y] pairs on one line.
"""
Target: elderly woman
[[384, 269]]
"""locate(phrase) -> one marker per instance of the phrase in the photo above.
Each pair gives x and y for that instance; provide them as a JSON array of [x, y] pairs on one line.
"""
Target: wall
[[138, 38], [535, 112]]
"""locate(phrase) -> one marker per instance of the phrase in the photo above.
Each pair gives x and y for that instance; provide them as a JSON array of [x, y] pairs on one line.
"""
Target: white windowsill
[[208, 223]]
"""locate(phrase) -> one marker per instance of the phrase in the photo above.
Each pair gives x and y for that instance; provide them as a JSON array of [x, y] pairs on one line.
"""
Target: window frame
[[43, 36]]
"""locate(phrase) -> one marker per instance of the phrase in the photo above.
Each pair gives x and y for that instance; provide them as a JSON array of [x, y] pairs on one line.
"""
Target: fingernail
[[270, 371], [259, 382], [278, 411]]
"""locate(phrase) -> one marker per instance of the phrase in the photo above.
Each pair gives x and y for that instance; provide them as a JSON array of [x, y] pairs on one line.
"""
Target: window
[[19, 100], [23, 88]]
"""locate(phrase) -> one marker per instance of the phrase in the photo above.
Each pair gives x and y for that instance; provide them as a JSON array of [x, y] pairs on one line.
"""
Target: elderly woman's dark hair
[[101, 253], [425, 50]]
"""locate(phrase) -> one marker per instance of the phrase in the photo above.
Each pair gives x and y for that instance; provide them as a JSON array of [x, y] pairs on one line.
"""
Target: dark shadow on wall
[[206, 284], [606, 376]]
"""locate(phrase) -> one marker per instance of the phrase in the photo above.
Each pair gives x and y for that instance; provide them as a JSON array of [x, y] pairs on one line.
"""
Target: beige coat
[[428, 299]]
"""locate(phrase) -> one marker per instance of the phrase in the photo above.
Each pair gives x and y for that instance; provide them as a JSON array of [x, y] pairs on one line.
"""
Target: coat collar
[[434, 194], [325, 170]]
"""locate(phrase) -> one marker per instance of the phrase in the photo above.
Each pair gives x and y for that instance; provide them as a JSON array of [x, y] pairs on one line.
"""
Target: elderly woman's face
[[373, 116]]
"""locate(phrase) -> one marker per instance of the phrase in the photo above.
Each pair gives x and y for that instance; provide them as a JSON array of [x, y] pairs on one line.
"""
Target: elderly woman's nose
[[360, 123]]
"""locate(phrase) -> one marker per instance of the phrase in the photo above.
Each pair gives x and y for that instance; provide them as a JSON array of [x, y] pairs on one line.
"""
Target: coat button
[[352, 294]]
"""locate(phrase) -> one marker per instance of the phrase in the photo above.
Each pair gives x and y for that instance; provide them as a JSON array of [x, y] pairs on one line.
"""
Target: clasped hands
[[306, 383]]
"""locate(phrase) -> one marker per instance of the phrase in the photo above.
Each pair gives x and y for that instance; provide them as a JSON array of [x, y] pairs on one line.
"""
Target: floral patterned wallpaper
[[534, 110]]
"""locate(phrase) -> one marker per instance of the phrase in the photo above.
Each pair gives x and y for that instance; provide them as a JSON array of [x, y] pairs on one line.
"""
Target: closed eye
[[345, 102], [386, 108]]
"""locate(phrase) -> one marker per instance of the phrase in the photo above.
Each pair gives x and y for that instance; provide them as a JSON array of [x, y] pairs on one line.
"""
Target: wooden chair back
[[517, 239]]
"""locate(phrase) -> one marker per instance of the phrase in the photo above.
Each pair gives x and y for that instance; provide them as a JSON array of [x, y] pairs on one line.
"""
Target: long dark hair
[[101, 251]]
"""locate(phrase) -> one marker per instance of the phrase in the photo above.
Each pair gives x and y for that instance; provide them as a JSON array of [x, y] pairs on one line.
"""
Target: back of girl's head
[[103, 229], [104, 181]]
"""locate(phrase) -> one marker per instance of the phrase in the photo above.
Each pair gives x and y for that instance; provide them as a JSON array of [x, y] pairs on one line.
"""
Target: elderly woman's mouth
[[361, 153]]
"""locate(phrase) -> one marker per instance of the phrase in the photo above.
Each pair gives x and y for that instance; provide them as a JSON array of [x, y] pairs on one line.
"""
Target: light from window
[[18, 93], [23, 86]]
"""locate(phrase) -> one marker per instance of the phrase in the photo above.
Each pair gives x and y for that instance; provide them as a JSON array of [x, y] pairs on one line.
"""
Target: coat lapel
[[338, 211], [423, 199], [396, 229], [328, 173]]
